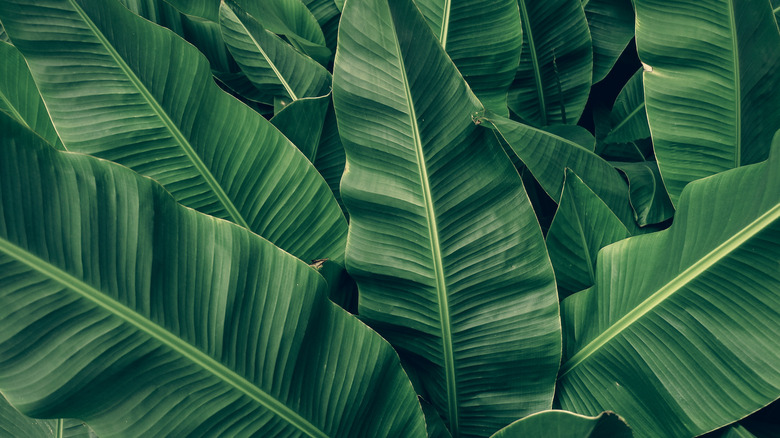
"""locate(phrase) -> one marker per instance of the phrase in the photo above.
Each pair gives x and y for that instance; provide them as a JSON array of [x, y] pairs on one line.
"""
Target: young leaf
[[145, 318], [711, 84], [679, 335], [443, 243]]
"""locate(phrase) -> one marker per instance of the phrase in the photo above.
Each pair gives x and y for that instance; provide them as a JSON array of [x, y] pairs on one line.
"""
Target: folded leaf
[[444, 245], [483, 39], [679, 335], [628, 119], [330, 159], [301, 121], [122, 308], [563, 424], [649, 198], [611, 26], [556, 64], [208, 9], [718, 60], [583, 224], [19, 98], [132, 92]]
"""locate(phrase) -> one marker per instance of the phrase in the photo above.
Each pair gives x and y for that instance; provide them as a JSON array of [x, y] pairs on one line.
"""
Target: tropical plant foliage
[[535, 218]]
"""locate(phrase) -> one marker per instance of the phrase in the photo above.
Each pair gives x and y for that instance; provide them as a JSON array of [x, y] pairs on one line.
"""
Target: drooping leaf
[[301, 122], [120, 307], [271, 64], [711, 84], [563, 424], [679, 335], [628, 119], [483, 39], [19, 97], [547, 156], [611, 26], [158, 111], [448, 256], [649, 198], [556, 64], [583, 224]]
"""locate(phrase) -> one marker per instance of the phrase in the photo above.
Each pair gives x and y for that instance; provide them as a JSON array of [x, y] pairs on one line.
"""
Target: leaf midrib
[[535, 61], [161, 335], [445, 23], [163, 116], [671, 287], [438, 266], [627, 119], [737, 87]]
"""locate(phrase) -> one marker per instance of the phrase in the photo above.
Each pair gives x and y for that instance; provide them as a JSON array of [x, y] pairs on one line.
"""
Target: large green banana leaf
[[19, 97], [483, 39], [563, 424], [556, 65], [719, 61], [548, 156], [444, 245], [680, 334], [122, 308], [611, 24], [124, 89], [15, 425], [583, 224]]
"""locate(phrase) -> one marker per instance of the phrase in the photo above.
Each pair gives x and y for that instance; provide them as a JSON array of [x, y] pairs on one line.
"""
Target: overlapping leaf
[[123, 89], [120, 307], [455, 275], [611, 26], [712, 84], [628, 119], [563, 424], [648, 195], [679, 335]]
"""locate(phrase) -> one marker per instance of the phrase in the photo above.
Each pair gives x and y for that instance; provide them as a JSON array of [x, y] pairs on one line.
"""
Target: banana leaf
[[679, 335], [628, 119], [130, 91], [124, 309], [719, 61], [14, 424], [563, 424], [556, 64], [19, 97], [649, 198], [483, 39], [611, 26], [444, 245]]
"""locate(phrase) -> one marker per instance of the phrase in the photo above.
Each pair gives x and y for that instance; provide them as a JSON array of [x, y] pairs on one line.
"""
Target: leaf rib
[[628, 117], [161, 335], [534, 61], [170, 126], [445, 23], [737, 89], [438, 266], [671, 287]]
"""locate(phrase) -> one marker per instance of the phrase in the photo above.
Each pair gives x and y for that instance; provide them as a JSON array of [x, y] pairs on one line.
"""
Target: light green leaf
[[444, 244], [132, 92], [272, 65], [611, 24], [19, 97], [563, 424], [649, 199], [628, 119], [547, 156], [120, 307], [583, 224], [719, 61], [302, 121], [556, 65], [483, 39], [679, 335]]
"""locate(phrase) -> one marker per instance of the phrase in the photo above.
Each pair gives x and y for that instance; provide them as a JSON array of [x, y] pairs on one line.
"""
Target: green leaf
[[443, 243], [122, 308], [3, 35], [14, 424], [611, 26], [573, 133], [483, 39], [291, 19], [19, 96], [330, 159], [563, 424], [556, 65], [328, 15], [628, 119], [302, 121], [208, 9], [717, 59], [679, 335], [272, 65], [583, 224], [547, 156], [649, 199], [132, 92]]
